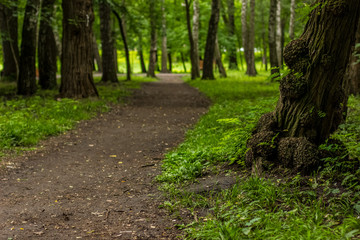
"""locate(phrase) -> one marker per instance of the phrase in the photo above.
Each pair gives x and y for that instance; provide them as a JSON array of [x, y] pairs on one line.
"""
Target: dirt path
[[97, 182]]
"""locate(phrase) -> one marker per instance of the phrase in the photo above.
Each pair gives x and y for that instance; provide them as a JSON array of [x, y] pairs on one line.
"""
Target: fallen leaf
[[113, 156]]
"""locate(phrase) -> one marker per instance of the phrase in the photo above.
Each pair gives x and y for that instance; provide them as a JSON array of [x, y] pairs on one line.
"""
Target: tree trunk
[[183, 62], [47, 50], [233, 64], [153, 40], [9, 30], [195, 32], [354, 67], [292, 19], [27, 71], [208, 72], [96, 55], [275, 71], [195, 69], [141, 55], [218, 60], [244, 31], [170, 61], [312, 96], [278, 33], [77, 52], [107, 44], [164, 54], [263, 36], [249, 37], [126, 47]]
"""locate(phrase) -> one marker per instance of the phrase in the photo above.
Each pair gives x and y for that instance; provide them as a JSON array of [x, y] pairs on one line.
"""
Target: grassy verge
[[25, 121], [323, 206]]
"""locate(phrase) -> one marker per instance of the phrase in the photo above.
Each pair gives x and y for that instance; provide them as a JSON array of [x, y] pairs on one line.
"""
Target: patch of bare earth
[[97, 181]]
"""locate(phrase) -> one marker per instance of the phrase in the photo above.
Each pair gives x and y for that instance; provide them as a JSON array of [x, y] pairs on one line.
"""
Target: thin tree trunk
[[47, 51], [195, 71], [313, 98], [275, 71], [96, 55], [107, 43], [244, 30], [251, 65], [141, 55], [9, 30], [278, 33], [170, 61], [292, 19], [233, 64], [126, 47], [218, 60], [195, 32], [263, 36], [77, 51], [354, 66], [208, 72], [183, 62], [153, 40], [27, 71], [164, 54]]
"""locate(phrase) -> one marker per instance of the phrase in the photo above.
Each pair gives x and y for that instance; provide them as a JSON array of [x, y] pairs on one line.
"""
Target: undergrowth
[[325, 205], [26, 120]]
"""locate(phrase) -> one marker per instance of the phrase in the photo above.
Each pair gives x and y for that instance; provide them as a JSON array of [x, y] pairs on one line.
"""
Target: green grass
[[323, 206], [25, 121], [221, 135]]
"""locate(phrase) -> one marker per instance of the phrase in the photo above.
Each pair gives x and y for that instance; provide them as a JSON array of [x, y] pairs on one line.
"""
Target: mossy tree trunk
[[47, 50], [77, 51], [313, 99], [208, 69]]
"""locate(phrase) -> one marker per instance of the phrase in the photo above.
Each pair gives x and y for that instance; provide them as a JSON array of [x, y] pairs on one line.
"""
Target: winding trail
[[97, 181]]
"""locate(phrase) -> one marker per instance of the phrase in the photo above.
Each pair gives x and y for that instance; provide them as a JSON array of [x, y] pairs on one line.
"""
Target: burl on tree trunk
[[312, 100]]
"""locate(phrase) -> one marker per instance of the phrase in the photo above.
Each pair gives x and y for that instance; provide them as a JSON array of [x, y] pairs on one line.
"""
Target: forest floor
[[97, 181]]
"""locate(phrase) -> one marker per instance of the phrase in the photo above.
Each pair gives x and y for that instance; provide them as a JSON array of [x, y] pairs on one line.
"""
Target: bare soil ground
[[97, 181]]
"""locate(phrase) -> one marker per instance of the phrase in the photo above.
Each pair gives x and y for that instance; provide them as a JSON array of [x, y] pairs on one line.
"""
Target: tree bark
[[195, 69], [164, 54], [141, 55], [208, 72], [126, 47], [249, 37], [292, 19], [278, 33], [77, 51], [153, 40], [354, 66], [233, 64], [27, 71], [275, 71], [96, 55], [47, 50], [218, 60], [195, 32], [107, 44], [313, 98], [9, 30]]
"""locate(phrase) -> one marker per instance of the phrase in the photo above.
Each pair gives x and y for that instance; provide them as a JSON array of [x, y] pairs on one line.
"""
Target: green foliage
[[256, 208], [221, 135], [25, 121], [324, 206]]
